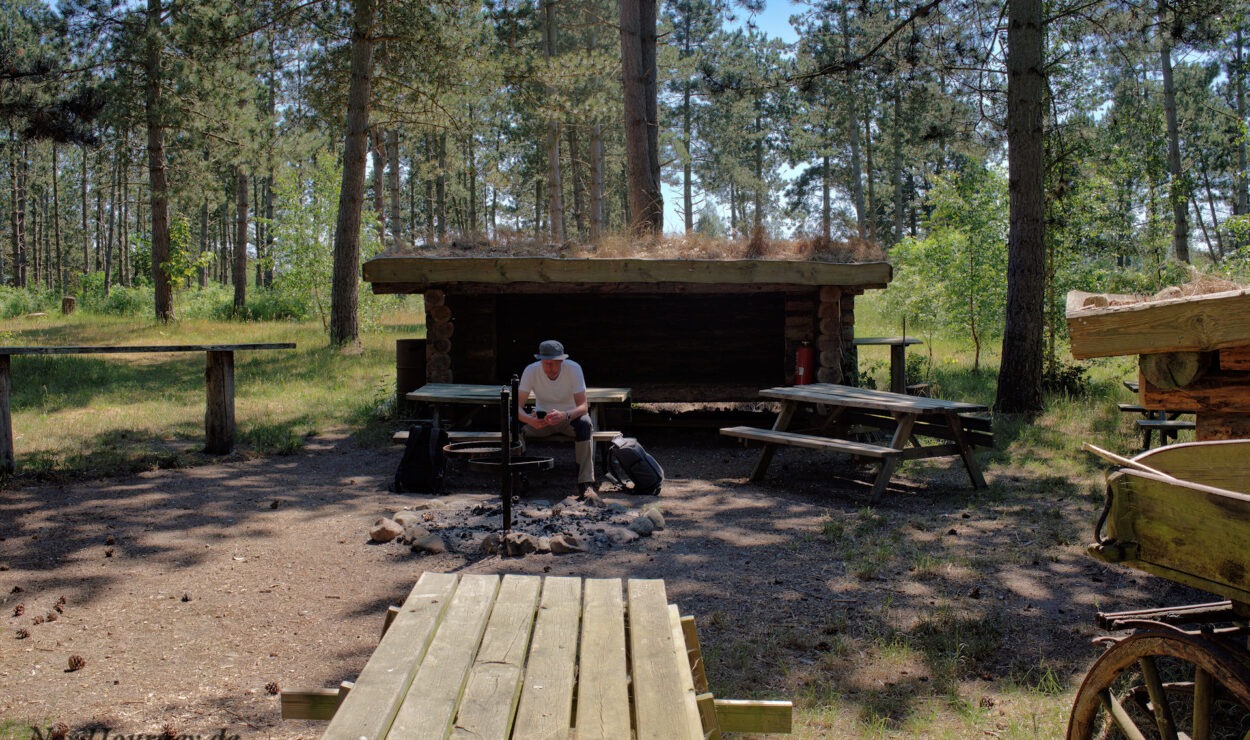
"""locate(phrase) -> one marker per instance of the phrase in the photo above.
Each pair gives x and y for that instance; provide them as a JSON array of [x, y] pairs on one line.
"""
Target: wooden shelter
[[670, 329], [1193, 352]]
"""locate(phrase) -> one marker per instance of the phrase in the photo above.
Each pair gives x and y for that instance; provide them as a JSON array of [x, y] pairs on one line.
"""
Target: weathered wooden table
[[438, 394], [534, 657], [898, 357], [218, 376], [845, 410]]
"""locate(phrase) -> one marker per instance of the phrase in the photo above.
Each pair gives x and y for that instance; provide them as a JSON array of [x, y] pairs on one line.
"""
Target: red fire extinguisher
[[804, 364]]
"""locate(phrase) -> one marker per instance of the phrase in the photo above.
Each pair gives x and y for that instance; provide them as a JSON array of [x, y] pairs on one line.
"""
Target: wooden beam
[[1190, 324], [387, 272], [754, 715], [318, 704]]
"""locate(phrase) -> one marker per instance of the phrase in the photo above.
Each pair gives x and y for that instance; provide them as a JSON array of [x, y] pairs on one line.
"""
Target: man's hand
[[554, 417]]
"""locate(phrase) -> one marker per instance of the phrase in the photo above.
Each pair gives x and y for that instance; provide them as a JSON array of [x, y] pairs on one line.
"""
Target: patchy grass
[[79, 416]]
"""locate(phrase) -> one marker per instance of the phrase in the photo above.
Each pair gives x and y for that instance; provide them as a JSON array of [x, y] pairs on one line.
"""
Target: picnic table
[[843, 411], [534, 657], [218, 377], [439, 394], [898, 357]]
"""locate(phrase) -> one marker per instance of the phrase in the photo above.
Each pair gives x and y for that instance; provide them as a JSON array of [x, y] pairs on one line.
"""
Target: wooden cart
[[1179, 512]]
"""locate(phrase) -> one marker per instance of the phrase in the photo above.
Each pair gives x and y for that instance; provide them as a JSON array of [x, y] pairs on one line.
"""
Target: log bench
[[533, 656], [218, 378]]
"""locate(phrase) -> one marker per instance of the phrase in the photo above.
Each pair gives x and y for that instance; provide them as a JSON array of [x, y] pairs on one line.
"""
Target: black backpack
[[424, 464], [631, 466]]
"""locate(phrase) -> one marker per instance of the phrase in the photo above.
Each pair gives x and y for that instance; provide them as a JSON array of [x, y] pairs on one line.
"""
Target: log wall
[[667, 346]]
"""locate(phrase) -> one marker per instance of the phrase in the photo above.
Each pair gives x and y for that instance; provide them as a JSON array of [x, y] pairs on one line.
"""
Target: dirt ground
[[188, 592]]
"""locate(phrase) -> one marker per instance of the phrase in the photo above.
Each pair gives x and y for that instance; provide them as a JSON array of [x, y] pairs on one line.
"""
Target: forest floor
[[191, 593]]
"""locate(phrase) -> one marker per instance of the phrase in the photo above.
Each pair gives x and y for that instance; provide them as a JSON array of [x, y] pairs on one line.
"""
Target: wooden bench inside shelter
[[602, 440], [531, 656]]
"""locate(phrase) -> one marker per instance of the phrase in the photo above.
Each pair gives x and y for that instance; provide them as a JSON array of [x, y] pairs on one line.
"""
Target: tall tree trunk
[[1020, 375], [596, 172], [646, 203], [896, 166], [55, 215], [157, 176], [826, 213], [344, 295], [1241, 200], [578, 181], [852, 127], [202, 272], [1177, 188], [239, 273], [392, 185], [687, 164], [17, 170], [86, 240], [378, 151], [440, 189], [555, 185]]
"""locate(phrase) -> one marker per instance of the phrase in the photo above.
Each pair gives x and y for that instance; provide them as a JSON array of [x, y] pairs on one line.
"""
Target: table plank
[[685, 672], [546, 707], [494, 685], [603, 677], [845, 395], [489, 394], [661, 702], [385, 679], [132, 349], [430, 705]]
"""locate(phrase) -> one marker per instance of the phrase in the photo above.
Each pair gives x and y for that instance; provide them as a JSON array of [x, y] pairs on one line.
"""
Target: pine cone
[[110, 540], [61, 601], [37, 620], [77, 663], [108, 552], [19, 610], [59, 731], [22, 633], [51, 617], [169, 731], [58, 609], [272, 687]]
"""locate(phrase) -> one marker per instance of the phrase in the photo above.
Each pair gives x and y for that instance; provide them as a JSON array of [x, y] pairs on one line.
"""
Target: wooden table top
[[866, 398], [500, 657], [486, 394], [892, 341]]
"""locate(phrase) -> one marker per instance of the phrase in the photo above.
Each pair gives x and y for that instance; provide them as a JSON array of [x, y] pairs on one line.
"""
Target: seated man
[[560, 406]]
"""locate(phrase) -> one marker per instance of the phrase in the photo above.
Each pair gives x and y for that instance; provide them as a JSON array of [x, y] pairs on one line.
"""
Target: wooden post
[[7, 464], [219, 414], [67, 304]]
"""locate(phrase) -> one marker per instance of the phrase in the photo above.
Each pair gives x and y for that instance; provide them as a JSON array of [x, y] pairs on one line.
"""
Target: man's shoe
[[583, 489]]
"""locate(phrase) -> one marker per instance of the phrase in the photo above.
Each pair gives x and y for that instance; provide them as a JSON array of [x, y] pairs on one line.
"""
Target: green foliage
[[185, 261], [956, 277], [1068, 379], [16, 302]]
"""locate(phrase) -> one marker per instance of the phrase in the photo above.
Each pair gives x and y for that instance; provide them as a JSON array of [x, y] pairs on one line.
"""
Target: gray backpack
[[630, 465]]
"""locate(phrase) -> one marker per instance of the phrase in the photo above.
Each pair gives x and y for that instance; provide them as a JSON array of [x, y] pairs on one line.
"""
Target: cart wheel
[[1164, 683]]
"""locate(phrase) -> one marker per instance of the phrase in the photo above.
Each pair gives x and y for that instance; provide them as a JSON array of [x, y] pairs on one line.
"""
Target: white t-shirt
[[552, 395]]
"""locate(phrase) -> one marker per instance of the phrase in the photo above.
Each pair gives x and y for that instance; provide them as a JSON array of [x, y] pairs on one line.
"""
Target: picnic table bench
[[845, 411], [898, 357], [534, 657], [218, 377]]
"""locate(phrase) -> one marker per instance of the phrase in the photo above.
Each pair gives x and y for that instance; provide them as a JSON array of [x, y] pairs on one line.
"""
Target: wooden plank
[[1222, 464], [755, 716], [420, 272], [695, 654], [681, 658], [794, 439], [603, 673], [484, 436], [494, 685], [1189, 324], [545, 711], [1194, 532], [1218, 426], [707, 714], [317, 704], [430, 705], [831, 394], [120, 349], [663, 708], [390, 670], [485, 394]]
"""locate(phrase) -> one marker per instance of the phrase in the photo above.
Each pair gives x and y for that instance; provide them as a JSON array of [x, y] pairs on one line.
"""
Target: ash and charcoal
[[538, 526]]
